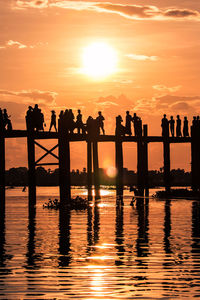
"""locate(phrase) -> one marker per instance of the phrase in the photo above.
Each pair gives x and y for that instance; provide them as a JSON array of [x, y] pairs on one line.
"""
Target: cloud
[[141, 57], [163, 88], [18, 45], [181, 107], [47, 97], [130, 11], [169, 99], [31, 4]]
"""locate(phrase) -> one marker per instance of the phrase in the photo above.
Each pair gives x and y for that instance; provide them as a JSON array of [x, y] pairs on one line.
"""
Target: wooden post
[[145, 162], [140, 166], [119, 166], [31, 168], [2, 169], [64, 167], [166, 148], [89, 167], [194, 159], [96, 168]]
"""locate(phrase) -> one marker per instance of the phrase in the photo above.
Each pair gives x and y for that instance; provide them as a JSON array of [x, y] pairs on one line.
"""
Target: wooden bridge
[[62, 142]]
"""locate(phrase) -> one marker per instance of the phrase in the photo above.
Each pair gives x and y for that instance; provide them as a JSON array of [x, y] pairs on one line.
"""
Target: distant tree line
[[19, 177]]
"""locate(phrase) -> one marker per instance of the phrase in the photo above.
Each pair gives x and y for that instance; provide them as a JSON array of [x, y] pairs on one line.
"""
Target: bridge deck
[[101, 138]]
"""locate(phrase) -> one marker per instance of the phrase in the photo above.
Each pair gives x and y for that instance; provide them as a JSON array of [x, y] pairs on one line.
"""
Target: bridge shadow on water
[[129, 249]]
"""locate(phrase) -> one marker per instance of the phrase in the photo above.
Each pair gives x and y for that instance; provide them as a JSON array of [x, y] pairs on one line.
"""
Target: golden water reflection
[[151, 250]]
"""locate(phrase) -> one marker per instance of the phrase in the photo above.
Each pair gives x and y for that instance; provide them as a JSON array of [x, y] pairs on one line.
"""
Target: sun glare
[[99, 60]]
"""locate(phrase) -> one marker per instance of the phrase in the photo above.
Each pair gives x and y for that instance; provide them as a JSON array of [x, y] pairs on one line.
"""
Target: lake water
[[147, 252]]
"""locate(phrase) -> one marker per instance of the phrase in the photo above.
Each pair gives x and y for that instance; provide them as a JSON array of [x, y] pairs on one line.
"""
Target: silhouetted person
[[165, 126], [139, 126], [135, 120], [100, 120], [178, 126], [29, 118], [53, 120], [71, 121], [194, 121], [185, 127], [128, 123], [36, 117], [171, 125], [1, 119], [65, 119], [120, 129], [198, 124], [79, 123], [194, 126], [6, 120], [40, 121], [89, 124]]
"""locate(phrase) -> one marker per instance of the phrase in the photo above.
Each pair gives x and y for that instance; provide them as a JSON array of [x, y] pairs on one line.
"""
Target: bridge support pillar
[[119, 167], [142, 163], [96, 168], [64, 168], [166, 151], [145, 161], [31, 169], [2, 169], [195, 159], [89, 167]]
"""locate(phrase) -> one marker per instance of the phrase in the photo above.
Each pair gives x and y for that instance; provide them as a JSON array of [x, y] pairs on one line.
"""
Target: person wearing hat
[[53, 120]]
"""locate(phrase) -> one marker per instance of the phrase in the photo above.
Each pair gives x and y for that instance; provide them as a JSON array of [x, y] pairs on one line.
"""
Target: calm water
[[150, 252]]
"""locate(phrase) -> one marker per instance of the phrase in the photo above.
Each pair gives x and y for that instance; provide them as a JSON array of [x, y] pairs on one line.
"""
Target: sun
[[99, 60]]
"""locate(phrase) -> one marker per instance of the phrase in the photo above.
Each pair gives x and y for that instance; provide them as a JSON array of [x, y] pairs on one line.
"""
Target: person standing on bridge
[[165, 126], [128, 123], [79, 123], [178, 126], [100, 120], [71, 121], [171, 125], [1, 119], [185, 127], [120, 129], [137, 123], [6, 120], [53, 121]]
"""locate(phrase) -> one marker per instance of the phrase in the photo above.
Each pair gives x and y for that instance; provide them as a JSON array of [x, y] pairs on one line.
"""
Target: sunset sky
[[155, 46]]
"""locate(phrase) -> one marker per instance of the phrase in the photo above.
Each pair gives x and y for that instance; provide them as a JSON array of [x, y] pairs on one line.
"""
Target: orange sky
[[157, 45]]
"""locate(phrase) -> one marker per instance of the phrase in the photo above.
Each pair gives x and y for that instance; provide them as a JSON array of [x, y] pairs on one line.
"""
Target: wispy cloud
[[47, 97], [133, 11], [16, 44], [163, 88], [141, 57], [19, 45]]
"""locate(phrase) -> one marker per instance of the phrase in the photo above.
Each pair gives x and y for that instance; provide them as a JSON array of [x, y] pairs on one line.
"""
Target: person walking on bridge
[[100, 120], [53, 121]]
